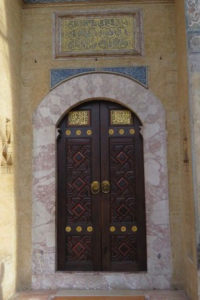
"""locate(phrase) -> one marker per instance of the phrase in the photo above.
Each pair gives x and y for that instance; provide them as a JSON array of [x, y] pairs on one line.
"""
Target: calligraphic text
[[97, 34]]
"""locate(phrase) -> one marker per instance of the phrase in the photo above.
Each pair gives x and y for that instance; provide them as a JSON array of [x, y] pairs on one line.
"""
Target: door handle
[[105, 186], [95, 187]]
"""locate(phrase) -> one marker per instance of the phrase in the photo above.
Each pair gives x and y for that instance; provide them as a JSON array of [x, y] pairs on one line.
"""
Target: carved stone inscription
[[110, 34], [98, 34]]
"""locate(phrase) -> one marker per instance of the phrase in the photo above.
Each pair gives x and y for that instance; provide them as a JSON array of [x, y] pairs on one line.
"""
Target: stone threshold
[[101, 295]]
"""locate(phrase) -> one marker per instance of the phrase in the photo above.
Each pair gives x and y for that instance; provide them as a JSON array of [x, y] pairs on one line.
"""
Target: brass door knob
[[105, 186], [95, 187]]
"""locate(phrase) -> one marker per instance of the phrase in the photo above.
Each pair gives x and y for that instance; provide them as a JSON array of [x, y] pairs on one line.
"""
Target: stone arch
[[152, 115]]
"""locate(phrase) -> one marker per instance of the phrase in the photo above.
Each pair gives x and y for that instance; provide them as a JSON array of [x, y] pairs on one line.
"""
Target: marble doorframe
[[150, 111]]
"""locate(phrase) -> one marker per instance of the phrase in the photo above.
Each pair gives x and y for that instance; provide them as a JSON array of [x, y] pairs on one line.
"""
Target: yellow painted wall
[[168, 80], [10, 94], [160, 57], [188, 244]]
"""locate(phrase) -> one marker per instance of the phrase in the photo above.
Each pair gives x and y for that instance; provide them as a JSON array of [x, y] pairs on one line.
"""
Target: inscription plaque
[[110, 34], [120, 117], [98, 34], [79, 118]]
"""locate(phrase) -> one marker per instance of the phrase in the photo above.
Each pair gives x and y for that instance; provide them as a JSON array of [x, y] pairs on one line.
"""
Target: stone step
[[100, 298], [100, 295]]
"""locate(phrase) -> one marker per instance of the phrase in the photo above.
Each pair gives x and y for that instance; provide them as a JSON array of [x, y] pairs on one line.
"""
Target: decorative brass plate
[[89, 132], [78, 132], [68, 229], [89, 229], [132, 131], [68, 132], [121, 131], [79, 118], [134, 228], [78, 228], [95, 187], [120, 117], [112, 229], [123, 229], [111, 131], [105, 186]]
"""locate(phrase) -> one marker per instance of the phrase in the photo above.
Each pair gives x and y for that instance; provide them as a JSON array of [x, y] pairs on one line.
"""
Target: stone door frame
[[150, 111]]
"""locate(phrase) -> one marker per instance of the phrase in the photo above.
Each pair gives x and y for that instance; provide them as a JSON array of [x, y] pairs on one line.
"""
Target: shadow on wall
[[1, 280]]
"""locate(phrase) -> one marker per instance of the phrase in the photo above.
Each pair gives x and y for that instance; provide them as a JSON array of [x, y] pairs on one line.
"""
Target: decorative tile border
[[194, 42], [193, 14], [193, 25], [138, 73], [152, 115]]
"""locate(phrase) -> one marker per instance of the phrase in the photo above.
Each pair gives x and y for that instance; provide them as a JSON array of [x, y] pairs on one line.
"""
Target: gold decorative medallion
[[134, 228], [89, 229], [132, 131], [123, 228], [112, 229], [68, 229], [89, 132], [79, 117], [111, 131], [121, 131], [68, 132], [78, 132], [78, 228], [120, 117]]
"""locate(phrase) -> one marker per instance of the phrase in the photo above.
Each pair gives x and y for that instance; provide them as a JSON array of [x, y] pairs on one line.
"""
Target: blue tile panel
[[58, 75], [138, 73], [193, 25], [194, 42]]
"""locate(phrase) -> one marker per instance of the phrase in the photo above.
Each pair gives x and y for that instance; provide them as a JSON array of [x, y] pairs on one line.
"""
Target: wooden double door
[[100, 200]]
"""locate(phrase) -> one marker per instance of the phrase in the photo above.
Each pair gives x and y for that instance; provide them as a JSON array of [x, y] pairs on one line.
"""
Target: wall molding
[[93, 3]]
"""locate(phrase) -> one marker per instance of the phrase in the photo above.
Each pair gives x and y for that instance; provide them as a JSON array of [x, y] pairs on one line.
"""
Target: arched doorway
[[101, 204], [150, 111]]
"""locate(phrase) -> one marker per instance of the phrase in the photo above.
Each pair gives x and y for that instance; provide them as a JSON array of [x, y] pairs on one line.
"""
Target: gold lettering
[[79, 118], [97, 34], [120, 117]]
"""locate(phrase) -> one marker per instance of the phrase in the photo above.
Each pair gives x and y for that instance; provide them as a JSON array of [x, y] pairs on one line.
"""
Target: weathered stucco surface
[[10, 85]]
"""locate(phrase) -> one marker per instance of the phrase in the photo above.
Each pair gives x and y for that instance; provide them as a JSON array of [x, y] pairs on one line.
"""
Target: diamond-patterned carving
[[78, 210], [123, 210], [78, 198], [122, 166], [79, 157], [124, 248], [122, 157], [122, 183], [79, 248], [79, 184]]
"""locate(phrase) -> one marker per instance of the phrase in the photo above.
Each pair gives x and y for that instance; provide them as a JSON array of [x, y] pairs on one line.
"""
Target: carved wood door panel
[[101, 205]]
